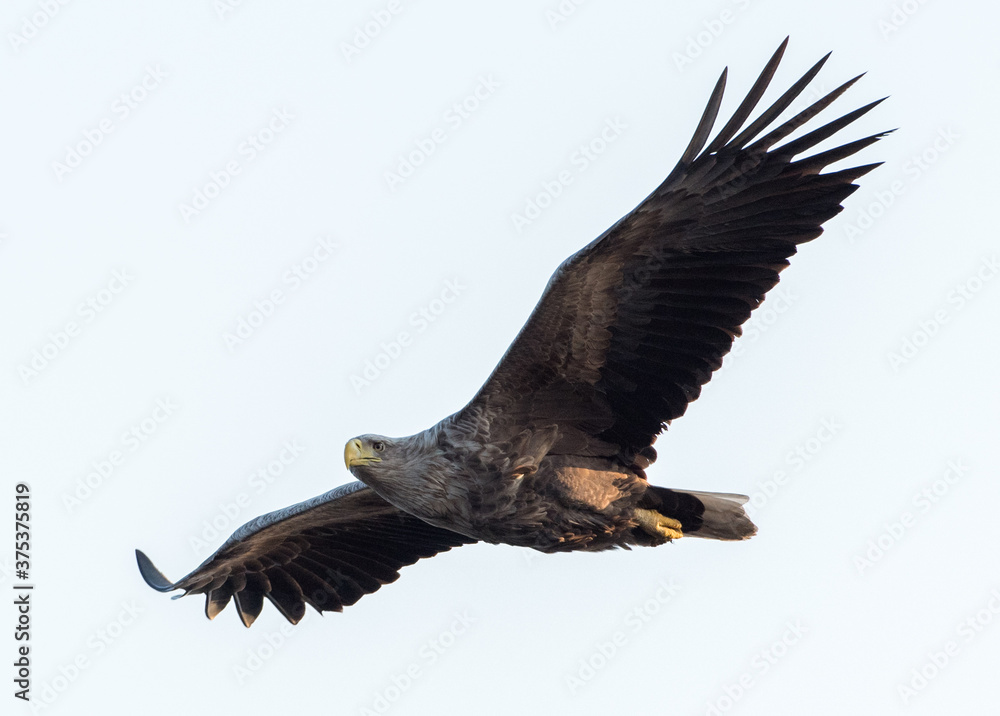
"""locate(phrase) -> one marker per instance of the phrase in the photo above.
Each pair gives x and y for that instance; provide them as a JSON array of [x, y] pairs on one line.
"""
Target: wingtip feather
[[151, 575]]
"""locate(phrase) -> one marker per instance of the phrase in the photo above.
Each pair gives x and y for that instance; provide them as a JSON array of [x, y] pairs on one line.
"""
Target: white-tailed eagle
[[551, 452]]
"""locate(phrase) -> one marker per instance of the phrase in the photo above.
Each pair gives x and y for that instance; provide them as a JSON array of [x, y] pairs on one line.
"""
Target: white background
[[811, 616]]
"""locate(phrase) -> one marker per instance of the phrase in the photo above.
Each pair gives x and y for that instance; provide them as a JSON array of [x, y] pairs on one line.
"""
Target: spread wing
[[327, 552], [630, 327]]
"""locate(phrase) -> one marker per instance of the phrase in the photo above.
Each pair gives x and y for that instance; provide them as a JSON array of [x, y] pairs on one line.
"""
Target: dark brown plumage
[[551, 453], [327, 552]]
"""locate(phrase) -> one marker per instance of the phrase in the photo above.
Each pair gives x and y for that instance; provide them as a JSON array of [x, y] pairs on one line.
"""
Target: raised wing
[[630, 327], [327, 552]]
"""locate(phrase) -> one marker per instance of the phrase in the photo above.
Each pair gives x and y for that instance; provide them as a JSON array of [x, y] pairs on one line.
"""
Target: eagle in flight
[[551, 452]]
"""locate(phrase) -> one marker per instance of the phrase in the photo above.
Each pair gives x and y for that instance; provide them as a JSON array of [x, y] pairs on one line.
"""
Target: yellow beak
[[355, 453]]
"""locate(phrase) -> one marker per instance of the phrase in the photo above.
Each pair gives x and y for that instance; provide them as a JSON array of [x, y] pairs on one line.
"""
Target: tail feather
[[711, 515]]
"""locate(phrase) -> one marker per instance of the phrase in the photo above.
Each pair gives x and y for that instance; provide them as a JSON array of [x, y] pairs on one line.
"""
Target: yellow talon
[[659, 525]]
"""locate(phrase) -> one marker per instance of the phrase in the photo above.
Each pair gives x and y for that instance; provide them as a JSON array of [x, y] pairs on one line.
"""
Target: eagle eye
[[378, 446]]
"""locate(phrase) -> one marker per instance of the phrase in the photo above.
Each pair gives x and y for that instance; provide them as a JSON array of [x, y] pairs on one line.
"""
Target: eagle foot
[[659, 525]]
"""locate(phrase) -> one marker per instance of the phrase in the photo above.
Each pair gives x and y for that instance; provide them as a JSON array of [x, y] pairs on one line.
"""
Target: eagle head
[[365, 451]]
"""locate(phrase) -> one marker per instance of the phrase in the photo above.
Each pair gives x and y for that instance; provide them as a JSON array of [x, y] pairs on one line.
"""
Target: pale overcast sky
[[235, 234]]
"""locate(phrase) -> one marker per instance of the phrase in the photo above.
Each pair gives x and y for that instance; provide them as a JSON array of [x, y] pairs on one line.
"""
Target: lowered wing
[[326, 552]]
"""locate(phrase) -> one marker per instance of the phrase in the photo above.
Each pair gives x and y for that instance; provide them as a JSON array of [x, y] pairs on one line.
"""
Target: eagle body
[[552, 452], [561, 504], [454, 477]]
